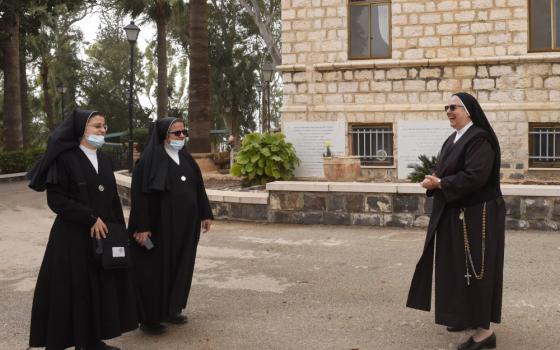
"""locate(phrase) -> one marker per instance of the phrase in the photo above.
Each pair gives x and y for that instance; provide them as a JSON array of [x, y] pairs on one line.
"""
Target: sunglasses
[[178, 133], [451, 107]]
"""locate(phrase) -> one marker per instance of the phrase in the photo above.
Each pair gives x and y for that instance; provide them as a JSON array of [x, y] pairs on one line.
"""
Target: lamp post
[[132, 35], [258, 86], [61, 89], [267, 72]]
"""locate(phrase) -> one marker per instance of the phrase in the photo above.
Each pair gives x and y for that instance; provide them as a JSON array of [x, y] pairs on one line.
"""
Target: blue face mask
[[96, 140], [177, 144]]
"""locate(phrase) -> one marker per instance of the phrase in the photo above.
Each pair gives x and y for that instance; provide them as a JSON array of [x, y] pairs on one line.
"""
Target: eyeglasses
[[179, 132], [99, 126], [451, 107]]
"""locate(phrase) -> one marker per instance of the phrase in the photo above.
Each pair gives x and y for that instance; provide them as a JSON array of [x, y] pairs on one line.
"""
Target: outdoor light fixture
[[267, 73], [61, 89], [132, 35]]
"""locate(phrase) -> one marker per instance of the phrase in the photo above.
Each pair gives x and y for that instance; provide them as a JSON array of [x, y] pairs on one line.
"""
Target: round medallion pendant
[[101, 188], [183, 178]]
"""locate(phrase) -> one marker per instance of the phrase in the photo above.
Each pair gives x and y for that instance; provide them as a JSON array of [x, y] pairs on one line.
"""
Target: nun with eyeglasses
[[77, 302], [466, 229]]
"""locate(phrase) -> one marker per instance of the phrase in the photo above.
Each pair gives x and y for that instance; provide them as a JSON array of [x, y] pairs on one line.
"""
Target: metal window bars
[[545, 146], [373, 144]]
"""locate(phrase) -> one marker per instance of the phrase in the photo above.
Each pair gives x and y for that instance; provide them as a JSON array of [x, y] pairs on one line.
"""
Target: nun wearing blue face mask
[[77, 302], [169, 207]]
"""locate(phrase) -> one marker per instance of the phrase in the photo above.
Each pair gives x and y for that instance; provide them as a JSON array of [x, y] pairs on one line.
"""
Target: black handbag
[[113, 251]]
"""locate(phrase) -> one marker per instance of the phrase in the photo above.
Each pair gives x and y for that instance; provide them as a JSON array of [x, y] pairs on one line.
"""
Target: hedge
[[19, 161]]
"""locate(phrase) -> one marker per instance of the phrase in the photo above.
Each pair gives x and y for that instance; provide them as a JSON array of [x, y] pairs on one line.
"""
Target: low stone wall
[[372, 204]]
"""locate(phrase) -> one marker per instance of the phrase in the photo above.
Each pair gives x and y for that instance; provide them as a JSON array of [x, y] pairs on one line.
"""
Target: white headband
[[465, 107]]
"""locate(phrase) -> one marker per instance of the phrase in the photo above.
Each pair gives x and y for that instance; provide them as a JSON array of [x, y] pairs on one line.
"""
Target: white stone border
[[404, 188]]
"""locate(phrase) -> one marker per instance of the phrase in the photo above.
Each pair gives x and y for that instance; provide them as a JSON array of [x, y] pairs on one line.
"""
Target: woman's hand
[[205, 225], [140, 237], [99, 229], [431, 182]]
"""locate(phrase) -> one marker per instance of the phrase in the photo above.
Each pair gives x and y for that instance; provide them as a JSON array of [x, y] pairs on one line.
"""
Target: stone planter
[[342, 168]]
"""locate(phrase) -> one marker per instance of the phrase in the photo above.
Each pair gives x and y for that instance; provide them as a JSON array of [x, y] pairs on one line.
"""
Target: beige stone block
[[348, 86], [413, 31], [316, 12], [431, 97], [398, 85], [448, 72], [301, 13], [399, 20], [396, 54], [287, 48], [446, 40], [396, 73], [430, 6], [554, 95], [302, 88], [538, 82], [301, 25], [288, 37], [482, 72], [500, 26], [333, 76], [330, 2], [332, 45], [484, 84], [430, 18], [464, 28], [364, 86], [301, 3], [414, 97], [500, 39], [332, 87], [482, 96], [301, 99], [413, 19], [516, 3], [447, 17], [429, 41], [302, 47], [286, 4], [483, 51], [316, 57], [552, 83], [480, 4], [317, 24], [465, 16], [500, 14], [481, 27], [364, 98], [517, 25], [482, 39], [466, 84], [348, 75], [413, 7], [465, 52], [399, 43], [463, 40], [414, 54], [430, 53], [432, 85], [500, 70], [465, 71], [289, 59], [286, 26], [447, 5], [520, 13], [556, 69], [363, 75], [448, 52], [520, 38], [320, 88], [451, 85], [430, 72], [482, 15], [447, 29], [318, 99], [379, 74], [500, 50], [413, 73], [412, 42], [288, 14], [534, 69], [333, 99], [536, 95], [415, 85], [380, 98], [397, 97], [299, 77], [301, 36], [332, 22], [516, 50]]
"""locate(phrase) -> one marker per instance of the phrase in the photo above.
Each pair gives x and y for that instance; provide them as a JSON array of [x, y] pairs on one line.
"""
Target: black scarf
[[154, 159], [65, 137], [479, 119]]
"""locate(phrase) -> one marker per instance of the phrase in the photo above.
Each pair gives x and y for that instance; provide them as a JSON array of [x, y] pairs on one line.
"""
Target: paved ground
[[263, 286]]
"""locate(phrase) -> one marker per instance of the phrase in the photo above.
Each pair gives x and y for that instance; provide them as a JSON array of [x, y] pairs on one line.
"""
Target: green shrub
[[19, 161], [425, 167], [264, 158]]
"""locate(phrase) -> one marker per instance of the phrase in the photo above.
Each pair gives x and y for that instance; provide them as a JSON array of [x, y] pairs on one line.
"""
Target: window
[[369, 28], [373, 144], [544, 145], [544, 28]]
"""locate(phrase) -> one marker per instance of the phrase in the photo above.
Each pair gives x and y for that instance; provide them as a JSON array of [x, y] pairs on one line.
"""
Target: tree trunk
[[162, 93], [46, 94], [12, 93], [25, 111], [199, 86]]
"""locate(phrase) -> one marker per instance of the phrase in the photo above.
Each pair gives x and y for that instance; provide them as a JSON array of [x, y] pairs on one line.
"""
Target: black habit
[[469, 173], [170, 201], [77, 302]]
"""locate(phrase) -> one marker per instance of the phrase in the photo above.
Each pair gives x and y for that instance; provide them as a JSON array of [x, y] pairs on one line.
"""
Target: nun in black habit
[[466, 228], [77, 302], [168, 208]]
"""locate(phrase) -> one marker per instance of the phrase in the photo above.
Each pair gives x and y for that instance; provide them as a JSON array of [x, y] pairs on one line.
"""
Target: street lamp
[[267, 72], [258, 86], [61, 89], [132, 35]]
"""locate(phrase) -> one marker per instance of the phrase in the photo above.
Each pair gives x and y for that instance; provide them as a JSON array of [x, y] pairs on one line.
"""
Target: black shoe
[[488, 343], [456, 329], [101, 346], [152, 328], [177, 319]]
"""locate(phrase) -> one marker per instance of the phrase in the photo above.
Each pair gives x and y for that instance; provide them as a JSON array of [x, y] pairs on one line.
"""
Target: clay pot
[[342, 168]]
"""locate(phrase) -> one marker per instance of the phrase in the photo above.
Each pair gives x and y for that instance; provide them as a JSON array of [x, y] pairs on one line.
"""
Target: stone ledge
[[291, 68], [237, 197], [123, 180], [402, 188], [13, 177], [437, 62]]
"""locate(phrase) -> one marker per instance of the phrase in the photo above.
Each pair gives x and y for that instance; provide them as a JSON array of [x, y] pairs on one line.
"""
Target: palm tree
[[199, 86], [9, 44]]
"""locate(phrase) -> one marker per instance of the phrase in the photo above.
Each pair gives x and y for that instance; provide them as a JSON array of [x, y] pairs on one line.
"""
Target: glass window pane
[[557, 23], [541, 31], [380, 30], [359, 27]]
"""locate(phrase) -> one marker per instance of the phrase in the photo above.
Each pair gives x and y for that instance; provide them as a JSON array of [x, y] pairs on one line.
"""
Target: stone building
[[372, 64]]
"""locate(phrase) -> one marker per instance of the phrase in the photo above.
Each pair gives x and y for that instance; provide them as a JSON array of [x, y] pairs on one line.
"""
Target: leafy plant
[[264, 158], [425, 167], [19, 161]]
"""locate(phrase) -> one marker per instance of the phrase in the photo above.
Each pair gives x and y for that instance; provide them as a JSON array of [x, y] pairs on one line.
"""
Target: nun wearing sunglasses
[[169, 208], [466, 229]]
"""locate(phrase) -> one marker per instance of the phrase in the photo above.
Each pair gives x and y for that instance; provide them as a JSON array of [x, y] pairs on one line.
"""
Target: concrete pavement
[[263, 286]]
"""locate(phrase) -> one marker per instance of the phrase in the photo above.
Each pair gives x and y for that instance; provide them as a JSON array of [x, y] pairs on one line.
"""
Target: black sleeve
[[203, 203], [479, 161], [66, 205], [139, 203]]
